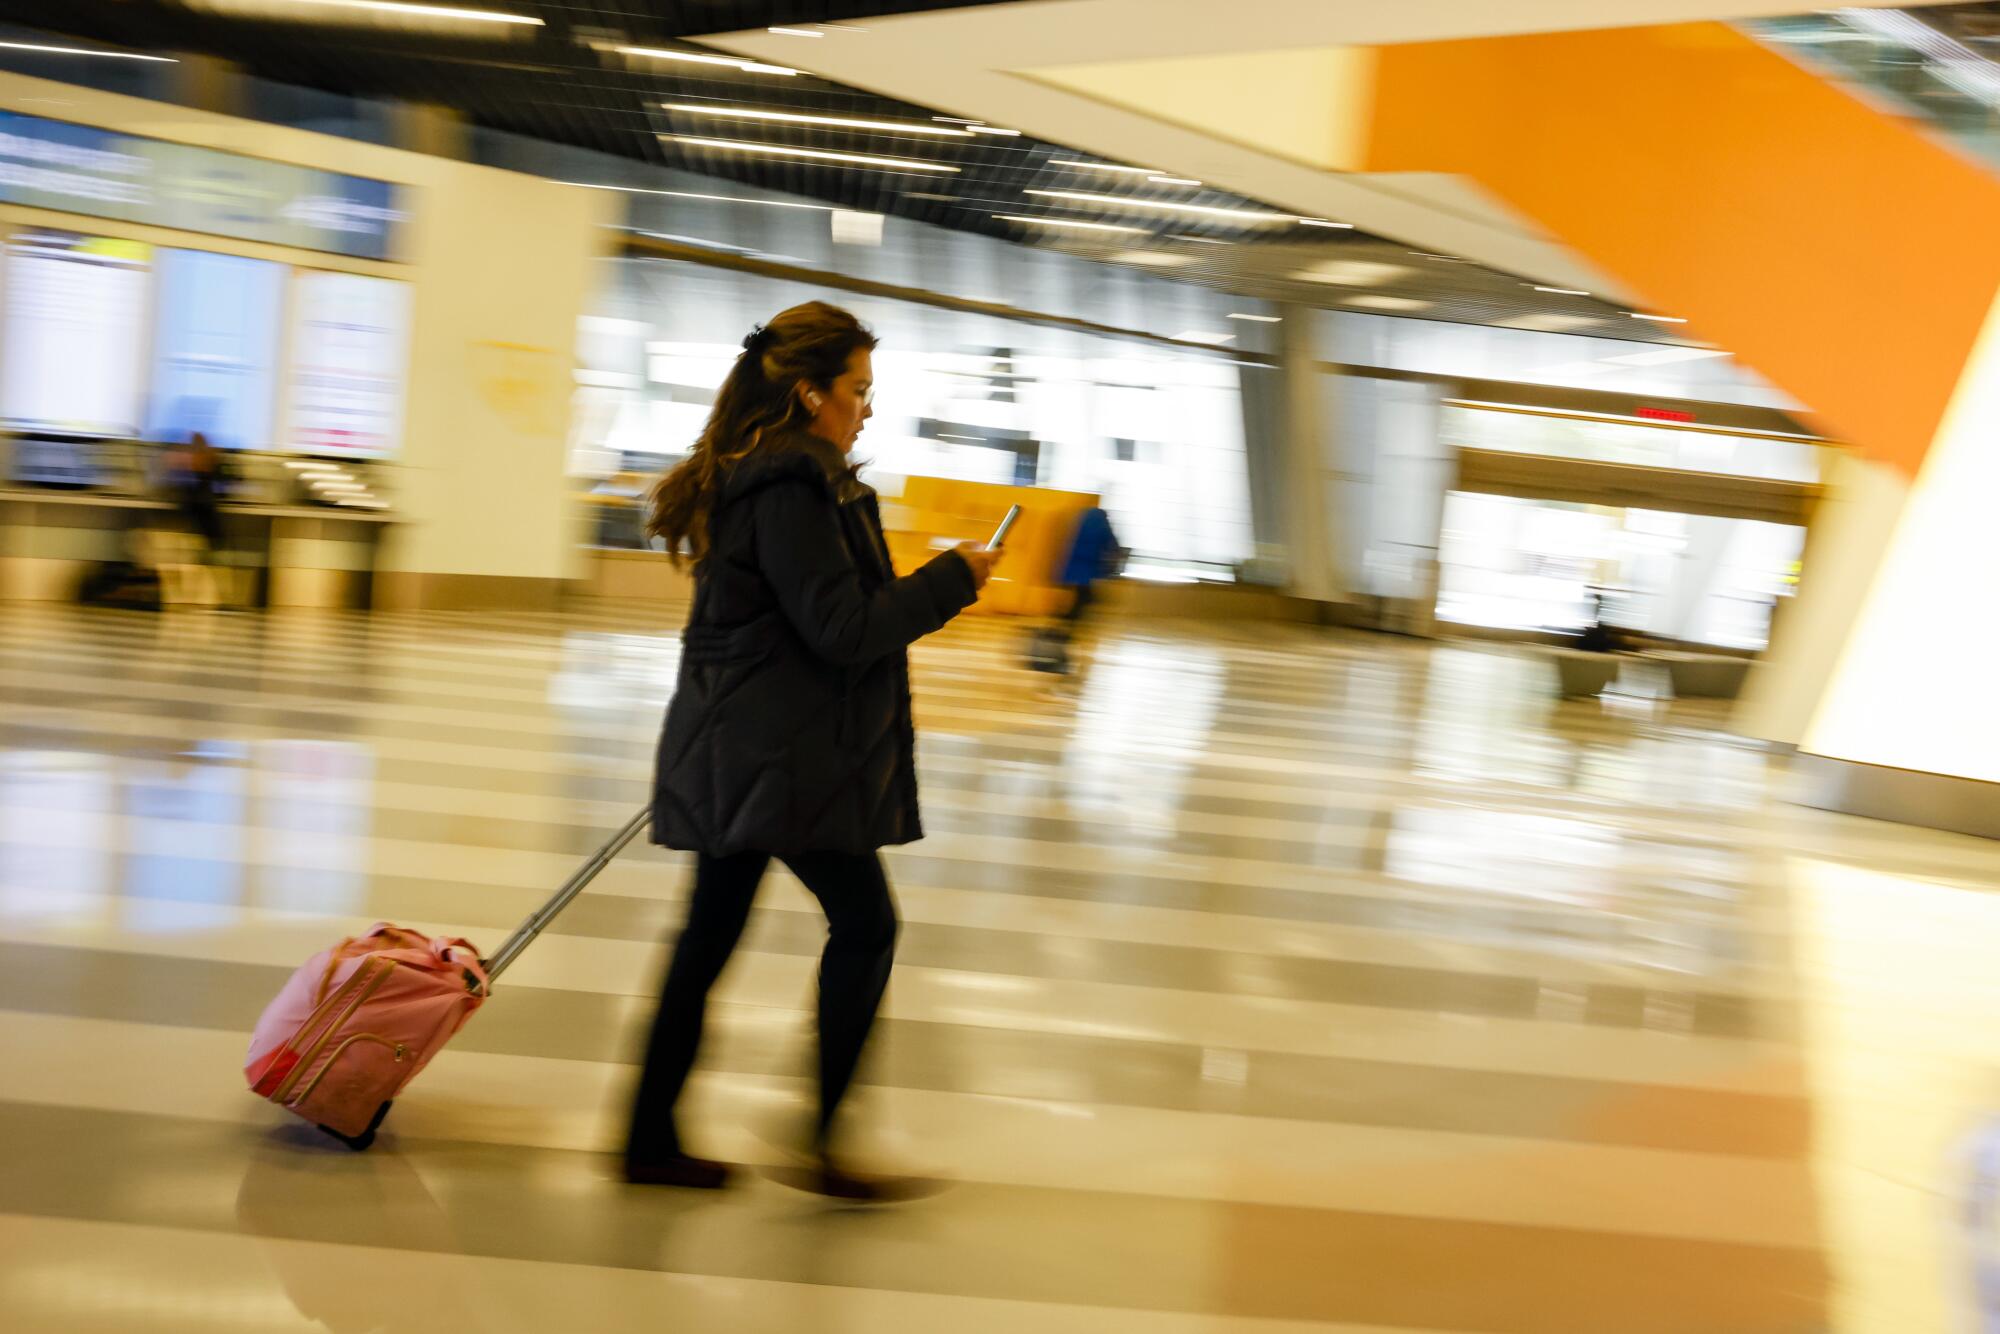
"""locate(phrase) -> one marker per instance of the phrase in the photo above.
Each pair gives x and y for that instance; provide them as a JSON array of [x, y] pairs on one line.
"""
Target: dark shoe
[[680, 1170], [837, 1183]]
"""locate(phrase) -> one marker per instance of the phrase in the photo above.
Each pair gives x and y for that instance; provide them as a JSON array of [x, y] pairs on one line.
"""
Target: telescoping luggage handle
[[538, 921]]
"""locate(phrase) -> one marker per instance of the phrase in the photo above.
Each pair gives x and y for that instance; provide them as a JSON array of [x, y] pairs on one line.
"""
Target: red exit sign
[[1664, 414]]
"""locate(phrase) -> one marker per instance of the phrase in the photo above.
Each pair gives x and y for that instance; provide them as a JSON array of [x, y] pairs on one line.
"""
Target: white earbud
[[812, 401]]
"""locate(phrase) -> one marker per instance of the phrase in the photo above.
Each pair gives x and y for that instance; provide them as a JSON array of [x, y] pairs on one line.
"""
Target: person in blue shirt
[[1094, 554]]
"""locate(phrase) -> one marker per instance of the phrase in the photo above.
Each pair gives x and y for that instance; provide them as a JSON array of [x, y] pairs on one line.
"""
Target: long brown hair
[[809, 343]]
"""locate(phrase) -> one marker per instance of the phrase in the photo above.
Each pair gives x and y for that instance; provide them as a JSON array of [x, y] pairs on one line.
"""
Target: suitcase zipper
[[313, 1022], [398, 1048], [283, 1092]]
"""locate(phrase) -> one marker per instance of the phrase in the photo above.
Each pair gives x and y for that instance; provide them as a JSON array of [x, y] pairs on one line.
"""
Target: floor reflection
[[1265, 972]]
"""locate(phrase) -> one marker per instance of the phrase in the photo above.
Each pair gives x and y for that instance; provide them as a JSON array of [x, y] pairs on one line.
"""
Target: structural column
[[1315, 574]]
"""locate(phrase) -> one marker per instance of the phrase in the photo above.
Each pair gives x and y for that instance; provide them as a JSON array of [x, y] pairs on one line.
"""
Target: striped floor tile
[[1259, 980]]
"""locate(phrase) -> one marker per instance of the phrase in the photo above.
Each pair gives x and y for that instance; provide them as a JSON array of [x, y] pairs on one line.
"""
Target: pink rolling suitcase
[[361, 1020]]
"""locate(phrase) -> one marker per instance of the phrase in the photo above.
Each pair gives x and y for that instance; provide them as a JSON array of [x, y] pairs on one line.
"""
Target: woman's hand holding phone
[[983, 558], [980, 559]]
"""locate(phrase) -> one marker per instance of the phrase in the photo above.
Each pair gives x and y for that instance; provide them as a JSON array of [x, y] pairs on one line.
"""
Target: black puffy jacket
[[790, 727]]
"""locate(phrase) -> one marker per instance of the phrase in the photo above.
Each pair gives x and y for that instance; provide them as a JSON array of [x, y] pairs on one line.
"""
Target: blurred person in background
[[196, 478], [1600, 635], [1093, 554], [790, 732]]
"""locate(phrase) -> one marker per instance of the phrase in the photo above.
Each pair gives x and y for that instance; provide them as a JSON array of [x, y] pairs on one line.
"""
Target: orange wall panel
[[1840, 251]]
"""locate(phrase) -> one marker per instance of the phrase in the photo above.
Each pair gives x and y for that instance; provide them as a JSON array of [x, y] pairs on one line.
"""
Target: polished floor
[[1262, 979]]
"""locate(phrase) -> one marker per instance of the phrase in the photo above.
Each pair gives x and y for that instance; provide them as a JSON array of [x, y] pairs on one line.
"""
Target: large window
[[1518, 564], [1156, 431]]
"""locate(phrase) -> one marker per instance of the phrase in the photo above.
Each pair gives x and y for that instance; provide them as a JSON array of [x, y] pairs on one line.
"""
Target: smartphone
[[994, 542]]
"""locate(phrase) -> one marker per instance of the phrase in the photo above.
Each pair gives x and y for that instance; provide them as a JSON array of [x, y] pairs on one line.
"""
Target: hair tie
[[757, 339]]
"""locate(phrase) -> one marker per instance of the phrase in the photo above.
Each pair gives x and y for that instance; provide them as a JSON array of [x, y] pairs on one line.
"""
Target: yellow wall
[[1915, 686], [504, 265], [1308, 105], [1851, 528], [934, 511]]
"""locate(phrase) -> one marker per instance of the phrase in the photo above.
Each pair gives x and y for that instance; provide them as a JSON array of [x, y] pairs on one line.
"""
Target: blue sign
[[54, 164]]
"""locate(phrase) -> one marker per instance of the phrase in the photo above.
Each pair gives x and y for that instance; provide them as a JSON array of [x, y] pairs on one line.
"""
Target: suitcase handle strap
[[414, 948], [464, 957], [538, 921]]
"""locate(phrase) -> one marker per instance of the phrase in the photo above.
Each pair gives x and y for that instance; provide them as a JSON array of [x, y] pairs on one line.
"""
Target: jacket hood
[[791, 453]]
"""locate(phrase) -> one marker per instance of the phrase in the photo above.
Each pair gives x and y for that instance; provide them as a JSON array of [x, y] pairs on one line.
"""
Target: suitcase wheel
[[366, 1137]]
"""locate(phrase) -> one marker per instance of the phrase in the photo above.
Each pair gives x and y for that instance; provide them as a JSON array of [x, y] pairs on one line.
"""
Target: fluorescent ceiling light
[[1163, 206], [1547, 322], [1203, 336], [1829, 36], [795, 32], [689, 194], [85, 51], [1570, 369], [1159, 259], [1322, 222], [702, 241], [1256, 319], [1666, 356], [978, 126], [450, 13], [1069, 222], [1562, 291], [816, 154], [1074, 165], [1172, 180], [798, 118], [1388, 303], [1352, 272], [1658, 319], [1201, 240], [699, 58]]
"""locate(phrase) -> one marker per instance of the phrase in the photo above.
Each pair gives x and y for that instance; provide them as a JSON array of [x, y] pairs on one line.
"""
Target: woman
[[789, 734]]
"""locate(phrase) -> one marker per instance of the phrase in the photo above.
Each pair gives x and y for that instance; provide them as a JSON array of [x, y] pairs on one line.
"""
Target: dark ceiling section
[[562, 81], [566, 81]]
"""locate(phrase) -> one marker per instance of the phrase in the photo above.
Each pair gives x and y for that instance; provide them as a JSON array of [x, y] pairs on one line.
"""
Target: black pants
[[853, 970]]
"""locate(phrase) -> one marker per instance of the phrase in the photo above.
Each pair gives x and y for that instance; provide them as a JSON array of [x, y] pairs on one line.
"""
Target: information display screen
[[105, 174], [75, 321], [215, 348], [349, 347]]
